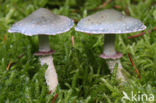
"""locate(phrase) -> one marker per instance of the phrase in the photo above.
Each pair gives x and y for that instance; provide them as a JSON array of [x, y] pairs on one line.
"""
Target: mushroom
[[110, 22], [43, 23]]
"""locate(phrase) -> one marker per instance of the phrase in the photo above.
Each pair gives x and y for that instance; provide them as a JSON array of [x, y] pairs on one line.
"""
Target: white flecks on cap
[[42, 21], [109, 22]]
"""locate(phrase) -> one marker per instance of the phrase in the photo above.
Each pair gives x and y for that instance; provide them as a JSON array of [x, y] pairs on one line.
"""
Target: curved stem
[[50, 74], [109, 44]]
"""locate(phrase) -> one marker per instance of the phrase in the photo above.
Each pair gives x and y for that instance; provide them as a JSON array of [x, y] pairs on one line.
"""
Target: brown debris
[[142, 33], [134, 66], [102, 5], [54, 99], [105, 4], [4, 38], [73, 40], [9, 65], [154, 28], [137, 35]]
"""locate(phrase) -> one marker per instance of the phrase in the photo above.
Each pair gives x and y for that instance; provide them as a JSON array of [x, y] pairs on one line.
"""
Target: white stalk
[[109, 49], [50, 74], [111, 64]]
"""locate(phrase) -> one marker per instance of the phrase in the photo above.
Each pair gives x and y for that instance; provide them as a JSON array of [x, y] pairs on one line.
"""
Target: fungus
[[43, 23], [110, 22]]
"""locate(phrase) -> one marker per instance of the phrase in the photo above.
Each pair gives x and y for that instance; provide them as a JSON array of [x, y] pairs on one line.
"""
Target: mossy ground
[[83, 76]]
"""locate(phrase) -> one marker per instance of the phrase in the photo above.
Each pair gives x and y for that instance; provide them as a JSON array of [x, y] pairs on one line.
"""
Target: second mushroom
[[111, 23]]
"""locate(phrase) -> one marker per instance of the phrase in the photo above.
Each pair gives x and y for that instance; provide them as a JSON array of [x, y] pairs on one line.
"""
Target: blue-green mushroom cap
[[109, 21], [42, 22]]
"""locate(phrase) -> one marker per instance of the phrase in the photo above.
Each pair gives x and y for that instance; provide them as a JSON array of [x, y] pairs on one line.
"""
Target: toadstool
[[43, 23], [110, 22]]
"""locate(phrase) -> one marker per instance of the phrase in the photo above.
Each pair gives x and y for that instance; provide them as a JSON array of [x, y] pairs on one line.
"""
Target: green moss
[[83, 76]]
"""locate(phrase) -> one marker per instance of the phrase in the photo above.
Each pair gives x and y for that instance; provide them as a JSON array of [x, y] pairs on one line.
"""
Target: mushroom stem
[[44, 43], [50, 74], [109, 44], [111, 64], [109, 50]]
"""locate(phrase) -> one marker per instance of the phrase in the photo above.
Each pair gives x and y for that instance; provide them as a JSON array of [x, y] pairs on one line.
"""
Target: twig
[[12, 63], [137, 35], [54, 99], [73, 41], [154, 28], [104, 4], [9, 65], [134, 66], [142, 33], [4, 38]]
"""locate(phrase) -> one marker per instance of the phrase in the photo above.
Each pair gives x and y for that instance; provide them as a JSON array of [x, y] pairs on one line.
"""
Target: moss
[[83, 76]]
